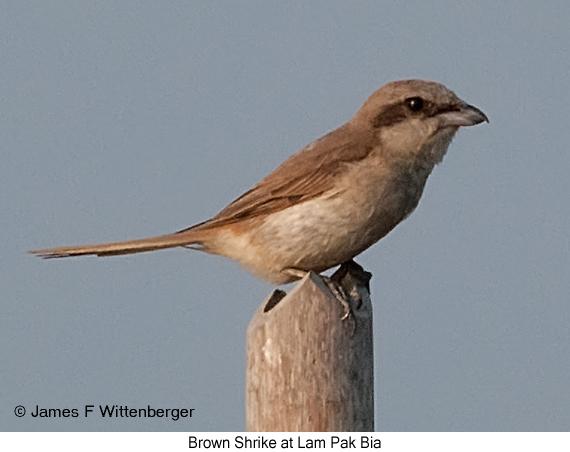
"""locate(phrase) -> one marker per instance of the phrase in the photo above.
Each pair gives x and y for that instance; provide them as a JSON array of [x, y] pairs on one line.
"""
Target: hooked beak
[[466, 115]]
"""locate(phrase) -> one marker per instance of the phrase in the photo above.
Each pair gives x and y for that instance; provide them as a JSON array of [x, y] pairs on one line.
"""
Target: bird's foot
[[340, 294], [349, 284]]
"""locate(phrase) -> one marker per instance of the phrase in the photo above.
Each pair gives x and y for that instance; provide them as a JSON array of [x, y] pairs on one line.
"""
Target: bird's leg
[[344, 284], [340, 294], [354, 284]]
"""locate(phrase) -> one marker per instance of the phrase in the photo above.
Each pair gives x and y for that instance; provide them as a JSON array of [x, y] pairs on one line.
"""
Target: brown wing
[[305, 175]]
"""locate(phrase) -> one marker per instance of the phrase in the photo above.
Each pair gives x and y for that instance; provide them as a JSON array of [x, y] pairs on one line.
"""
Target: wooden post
[[308, 369]]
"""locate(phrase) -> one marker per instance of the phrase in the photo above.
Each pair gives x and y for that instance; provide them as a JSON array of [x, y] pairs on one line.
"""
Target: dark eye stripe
[[400, 111], [445, 109], [391, 115]]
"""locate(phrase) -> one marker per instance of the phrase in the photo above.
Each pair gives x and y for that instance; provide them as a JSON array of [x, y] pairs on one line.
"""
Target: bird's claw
[[340, 294]]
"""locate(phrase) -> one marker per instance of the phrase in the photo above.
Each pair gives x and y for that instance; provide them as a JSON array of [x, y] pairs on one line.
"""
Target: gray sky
[[122, 120]]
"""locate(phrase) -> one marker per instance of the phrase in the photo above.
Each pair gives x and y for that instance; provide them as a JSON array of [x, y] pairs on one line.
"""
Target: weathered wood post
[[308, 369]]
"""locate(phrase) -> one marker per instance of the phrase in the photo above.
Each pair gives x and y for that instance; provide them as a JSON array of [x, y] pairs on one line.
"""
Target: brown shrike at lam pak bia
[[334, 198]]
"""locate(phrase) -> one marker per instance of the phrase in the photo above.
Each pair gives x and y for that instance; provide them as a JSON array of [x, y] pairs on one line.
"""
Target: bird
[[334, 198]]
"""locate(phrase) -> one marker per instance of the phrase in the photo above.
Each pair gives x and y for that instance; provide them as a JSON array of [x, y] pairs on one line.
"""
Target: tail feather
[[128, 247]]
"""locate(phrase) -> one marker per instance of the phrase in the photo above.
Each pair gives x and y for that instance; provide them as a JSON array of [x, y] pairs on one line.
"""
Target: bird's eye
[[415, 103]]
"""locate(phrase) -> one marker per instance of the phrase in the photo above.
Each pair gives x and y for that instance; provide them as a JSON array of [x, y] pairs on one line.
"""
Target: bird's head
[[416, 118]]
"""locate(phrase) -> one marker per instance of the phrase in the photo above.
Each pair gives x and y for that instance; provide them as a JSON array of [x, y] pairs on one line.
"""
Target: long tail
[[183, 238]]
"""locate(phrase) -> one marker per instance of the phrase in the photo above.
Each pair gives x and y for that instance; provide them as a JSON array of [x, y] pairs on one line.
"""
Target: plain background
[[122, 120]]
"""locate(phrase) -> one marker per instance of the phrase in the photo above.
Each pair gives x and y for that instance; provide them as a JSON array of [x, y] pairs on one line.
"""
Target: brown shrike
[[334, 198]]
